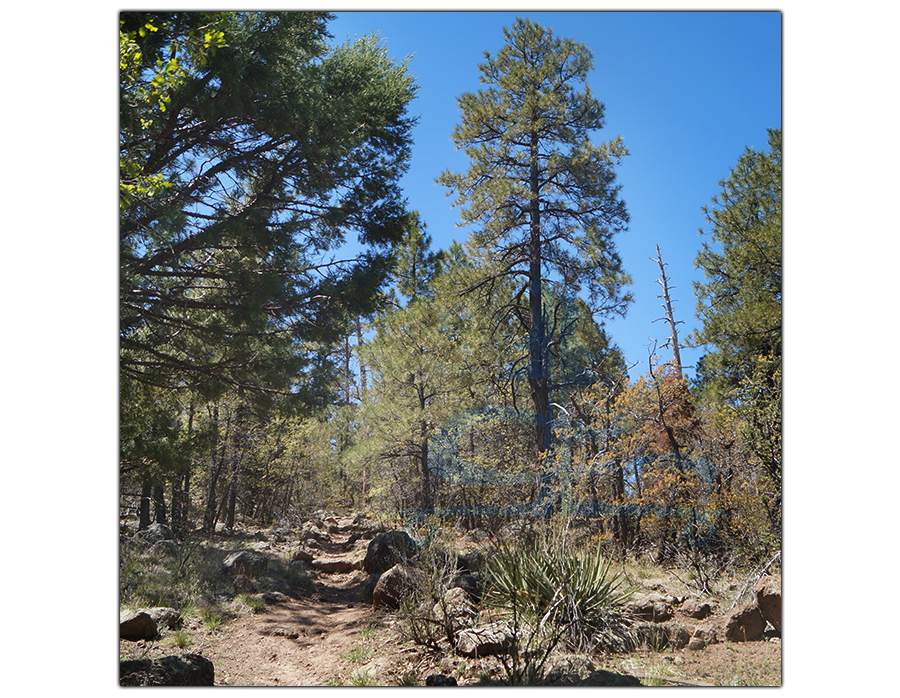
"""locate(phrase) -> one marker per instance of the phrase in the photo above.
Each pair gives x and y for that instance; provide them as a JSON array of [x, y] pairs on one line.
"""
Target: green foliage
[[234, 189], [531, 121], [552, 580], [739, 305], [550, 591]]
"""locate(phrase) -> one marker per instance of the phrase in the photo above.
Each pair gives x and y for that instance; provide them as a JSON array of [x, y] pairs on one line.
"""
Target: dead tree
[[670, 316]]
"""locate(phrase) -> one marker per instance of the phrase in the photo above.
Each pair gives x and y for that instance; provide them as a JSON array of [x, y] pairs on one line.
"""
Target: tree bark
[[159, 505], [144, 506]]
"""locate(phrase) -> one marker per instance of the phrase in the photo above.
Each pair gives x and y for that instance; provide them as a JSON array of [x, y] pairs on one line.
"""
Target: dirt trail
[[298, 642], [295, 643]]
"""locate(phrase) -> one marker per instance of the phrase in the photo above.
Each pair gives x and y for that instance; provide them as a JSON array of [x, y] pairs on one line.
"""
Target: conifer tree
[[543, 196]]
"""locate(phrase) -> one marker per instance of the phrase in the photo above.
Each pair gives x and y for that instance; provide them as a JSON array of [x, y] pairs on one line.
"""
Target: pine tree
[[544, 197]]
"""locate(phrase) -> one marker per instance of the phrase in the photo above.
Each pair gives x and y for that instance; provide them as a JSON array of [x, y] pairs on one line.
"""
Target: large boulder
[[388, 549], [744, 624], [768, 599], [391, 587], [251, 563], [137, 625], [174, 670], [484, 640]]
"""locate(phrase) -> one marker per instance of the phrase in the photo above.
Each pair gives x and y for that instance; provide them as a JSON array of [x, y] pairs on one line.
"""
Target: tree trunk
[[217, 461], [144, 506], [538, 378], [159, 505]]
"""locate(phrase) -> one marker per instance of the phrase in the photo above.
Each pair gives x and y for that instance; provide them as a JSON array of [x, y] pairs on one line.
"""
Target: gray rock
[[164, 617], [484, 640], [703, 636], [137, 625], [174, 670], [388, 549], [334, 565], [456, 604], [154, 533], [650, 607], [251, 563], [694, 608], [302, 555]]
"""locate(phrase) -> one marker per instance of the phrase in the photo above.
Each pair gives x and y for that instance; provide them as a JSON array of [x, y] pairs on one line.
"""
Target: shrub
[[550, 591]]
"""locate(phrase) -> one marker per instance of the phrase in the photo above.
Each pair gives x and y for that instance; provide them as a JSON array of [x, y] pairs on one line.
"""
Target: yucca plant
[[550, 592]]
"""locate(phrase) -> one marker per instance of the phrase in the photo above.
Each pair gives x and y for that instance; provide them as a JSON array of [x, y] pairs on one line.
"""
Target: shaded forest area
[[266, 373]]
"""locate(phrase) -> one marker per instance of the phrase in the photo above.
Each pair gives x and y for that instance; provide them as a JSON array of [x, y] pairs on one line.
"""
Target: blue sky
[[687, 91]]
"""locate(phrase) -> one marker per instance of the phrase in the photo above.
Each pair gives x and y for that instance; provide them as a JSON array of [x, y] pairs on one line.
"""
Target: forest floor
[[330, 637]]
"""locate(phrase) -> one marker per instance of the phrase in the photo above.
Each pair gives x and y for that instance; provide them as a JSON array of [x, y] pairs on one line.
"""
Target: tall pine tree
[[543, 196]]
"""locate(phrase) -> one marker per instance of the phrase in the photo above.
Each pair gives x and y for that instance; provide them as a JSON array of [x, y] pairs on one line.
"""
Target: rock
[[388, 549], [391, 587], [154, 533], [601, 677], [280, 535], [702, 637], [650, 607], [137, 625], [744, 624], [302, 555], [768, 599], [440, 680], [456, 603], [334, 565], [183, 670], [493, 638], [273, 597], [243, 585], [679, 636], [247, 562], [311, 530], [569, 670], [164, 617], [694, 608]]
